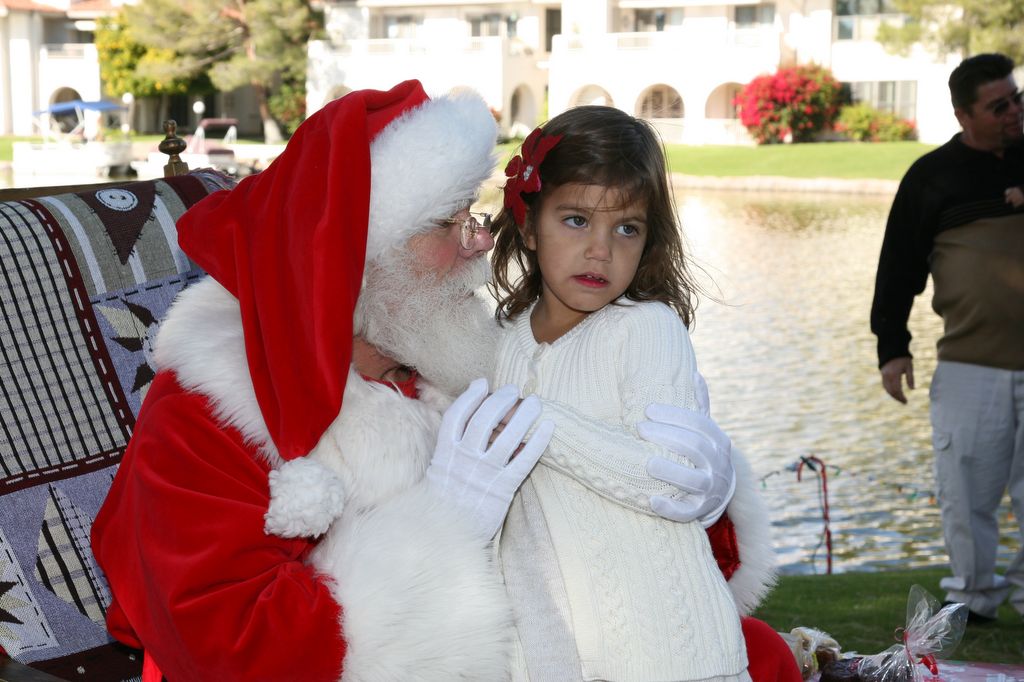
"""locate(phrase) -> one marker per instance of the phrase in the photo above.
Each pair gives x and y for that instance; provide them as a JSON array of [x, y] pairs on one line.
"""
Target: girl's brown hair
[[608, 147]]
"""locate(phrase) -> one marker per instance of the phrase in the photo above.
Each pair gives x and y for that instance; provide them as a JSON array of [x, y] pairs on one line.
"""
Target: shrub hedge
[[864, 123]]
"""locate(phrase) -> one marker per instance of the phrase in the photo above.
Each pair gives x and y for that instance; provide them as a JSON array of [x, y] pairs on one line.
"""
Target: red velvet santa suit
[[255, 369]]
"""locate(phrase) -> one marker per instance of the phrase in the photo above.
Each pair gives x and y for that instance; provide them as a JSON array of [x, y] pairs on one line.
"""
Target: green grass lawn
[[862, 611], [881, 160], [884, 160]]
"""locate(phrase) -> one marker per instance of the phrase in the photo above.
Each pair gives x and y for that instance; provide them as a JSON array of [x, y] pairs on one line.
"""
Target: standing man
[[951, 218]]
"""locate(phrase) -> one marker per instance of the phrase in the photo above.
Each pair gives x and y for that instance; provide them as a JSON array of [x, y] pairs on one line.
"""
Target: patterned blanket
[[86, 279]]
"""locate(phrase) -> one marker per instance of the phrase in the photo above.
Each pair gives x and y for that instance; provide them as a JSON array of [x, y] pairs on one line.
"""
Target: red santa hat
[[357, 178]]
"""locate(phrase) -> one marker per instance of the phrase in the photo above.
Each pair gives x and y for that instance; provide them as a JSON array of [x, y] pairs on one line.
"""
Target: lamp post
[[199, 108], [199, 135], [128, 99]]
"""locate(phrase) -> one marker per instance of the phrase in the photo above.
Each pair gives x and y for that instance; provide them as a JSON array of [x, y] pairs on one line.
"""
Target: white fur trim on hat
[[426, 165]]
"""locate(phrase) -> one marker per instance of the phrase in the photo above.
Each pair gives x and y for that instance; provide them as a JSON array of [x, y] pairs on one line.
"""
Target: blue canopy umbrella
[[79, 105]]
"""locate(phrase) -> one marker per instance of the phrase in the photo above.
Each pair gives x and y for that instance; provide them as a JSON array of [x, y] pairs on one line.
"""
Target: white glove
[[480, 480], [712, 481]]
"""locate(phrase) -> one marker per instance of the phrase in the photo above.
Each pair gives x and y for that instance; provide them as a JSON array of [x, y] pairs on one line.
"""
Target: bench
[[87, 273]]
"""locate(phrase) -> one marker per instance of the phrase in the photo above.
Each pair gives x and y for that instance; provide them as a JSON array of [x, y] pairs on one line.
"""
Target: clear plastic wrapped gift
[[812, 649], [932, 632]]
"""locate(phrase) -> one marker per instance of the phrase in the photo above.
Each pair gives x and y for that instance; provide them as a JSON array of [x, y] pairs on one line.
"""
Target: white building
[[914, 87], [677, 62], [47, 55], [497, 48]]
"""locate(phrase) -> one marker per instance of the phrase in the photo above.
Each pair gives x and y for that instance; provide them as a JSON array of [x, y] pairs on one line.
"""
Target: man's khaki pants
[[978, 435]]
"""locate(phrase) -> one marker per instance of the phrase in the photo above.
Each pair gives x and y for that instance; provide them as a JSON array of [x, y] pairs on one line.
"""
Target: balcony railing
[[390, 47], [863, 27], [68, 50], [671, 41]]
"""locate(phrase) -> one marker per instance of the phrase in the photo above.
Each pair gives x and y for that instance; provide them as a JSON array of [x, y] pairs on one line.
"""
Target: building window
[[56, 32], [895, 97], [750, 16], [651, 20], [485, 26], [849, 8], [850, 12], [512, 25], [845, 28], [400, 26], [552, 26]]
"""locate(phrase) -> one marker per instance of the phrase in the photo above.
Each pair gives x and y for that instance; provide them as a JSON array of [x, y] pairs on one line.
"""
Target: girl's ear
[[528, 234]]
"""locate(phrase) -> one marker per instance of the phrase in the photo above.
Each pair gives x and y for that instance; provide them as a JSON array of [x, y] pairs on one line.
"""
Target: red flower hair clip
[[523, 172]]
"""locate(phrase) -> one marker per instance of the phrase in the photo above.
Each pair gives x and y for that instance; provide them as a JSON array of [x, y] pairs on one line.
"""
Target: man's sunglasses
[[1001, 105]]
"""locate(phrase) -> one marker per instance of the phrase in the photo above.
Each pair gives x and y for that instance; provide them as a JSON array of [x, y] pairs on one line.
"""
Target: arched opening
[[660, 101], [720, 101], [523, 112], [591, 94], [64, 95], [66, 121]]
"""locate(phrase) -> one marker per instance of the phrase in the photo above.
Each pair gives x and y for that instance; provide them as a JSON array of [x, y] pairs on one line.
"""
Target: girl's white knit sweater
[[586, 561]]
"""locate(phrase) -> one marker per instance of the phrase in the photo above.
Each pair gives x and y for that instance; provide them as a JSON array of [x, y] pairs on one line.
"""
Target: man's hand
[[696, 437], [478, 476], [1014, 196], [892, 377]]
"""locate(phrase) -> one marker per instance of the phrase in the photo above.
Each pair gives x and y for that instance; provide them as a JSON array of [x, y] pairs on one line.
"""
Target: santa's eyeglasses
[[469, 227]]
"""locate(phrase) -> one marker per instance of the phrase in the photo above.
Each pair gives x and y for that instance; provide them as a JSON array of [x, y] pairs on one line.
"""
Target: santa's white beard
[[443, 329]]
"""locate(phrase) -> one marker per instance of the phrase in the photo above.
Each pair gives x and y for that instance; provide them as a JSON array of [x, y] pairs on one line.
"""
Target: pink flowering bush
[[794, 103]]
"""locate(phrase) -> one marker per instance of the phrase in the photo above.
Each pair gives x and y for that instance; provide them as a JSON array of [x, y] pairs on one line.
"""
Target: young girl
[[595, 299]]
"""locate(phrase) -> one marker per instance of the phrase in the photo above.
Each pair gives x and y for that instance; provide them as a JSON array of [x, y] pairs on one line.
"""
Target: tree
[[119, 58], [260, 43], [793, 103], [962, 28]]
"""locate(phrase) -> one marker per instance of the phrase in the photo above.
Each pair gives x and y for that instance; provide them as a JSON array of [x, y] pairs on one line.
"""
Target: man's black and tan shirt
[[950, 218]]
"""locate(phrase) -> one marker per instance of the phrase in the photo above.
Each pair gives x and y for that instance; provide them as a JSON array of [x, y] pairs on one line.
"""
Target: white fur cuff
[[420, 597]]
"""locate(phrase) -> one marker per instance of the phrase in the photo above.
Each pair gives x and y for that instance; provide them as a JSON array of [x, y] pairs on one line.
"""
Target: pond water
[[791, 365]]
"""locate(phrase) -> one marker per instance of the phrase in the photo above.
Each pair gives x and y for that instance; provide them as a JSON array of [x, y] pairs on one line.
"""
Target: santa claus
[[339, 320]]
